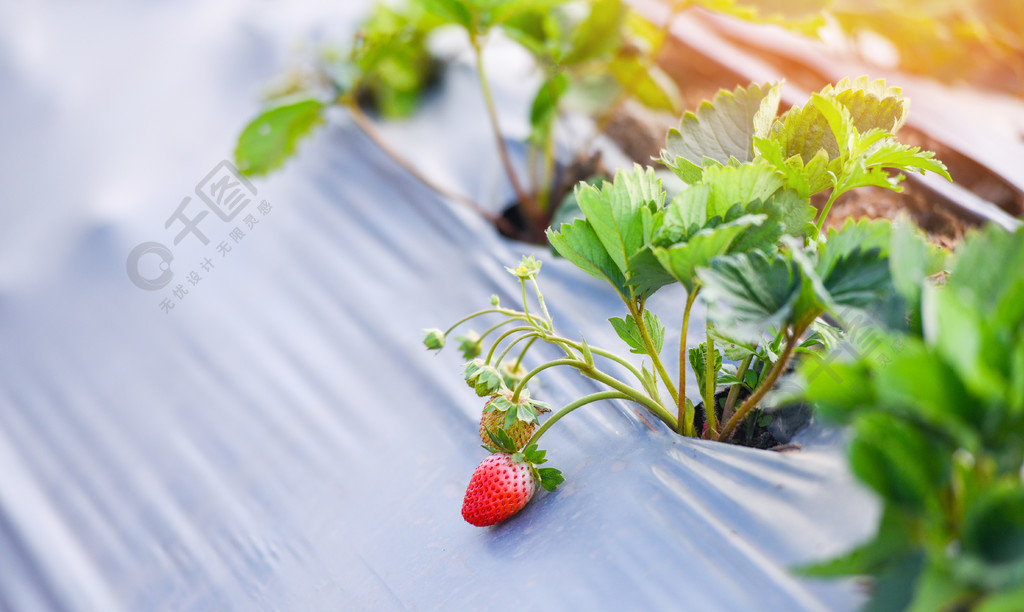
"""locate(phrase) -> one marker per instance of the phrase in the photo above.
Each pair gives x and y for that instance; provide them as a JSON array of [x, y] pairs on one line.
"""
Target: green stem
[[583, 401], [734, 392], [709, 384], [540, 300], [607, 355], [523, 353], [684, 421], [514, 314], [544, 188], [828, 206], [524, 200], [576, 363], [526, 308], [508, 333], [651, 351], [501, 356], [762, 389]]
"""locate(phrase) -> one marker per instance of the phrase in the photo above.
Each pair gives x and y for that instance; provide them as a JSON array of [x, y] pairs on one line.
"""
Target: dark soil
[[761, 430]]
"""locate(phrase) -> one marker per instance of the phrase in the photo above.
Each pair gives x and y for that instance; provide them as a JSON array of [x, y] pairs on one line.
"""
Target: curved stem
[[508, 333], [511, 345], [828, 206], [526, 309], [528, 205], [366, 125], [685, 425], [734, 392], [709, 383], [576, 363], [543, 306], [513, 314], [651, 350], [523, 353], [762, 389], [583, 401], [637, 396]]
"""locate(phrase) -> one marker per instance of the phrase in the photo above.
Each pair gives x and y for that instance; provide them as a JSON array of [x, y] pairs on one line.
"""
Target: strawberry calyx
[[532, 455], [524, 409]]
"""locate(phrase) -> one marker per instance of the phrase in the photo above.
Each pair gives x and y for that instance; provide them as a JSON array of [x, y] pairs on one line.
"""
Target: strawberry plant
[[592, 56], [743, 235], [936, 404]]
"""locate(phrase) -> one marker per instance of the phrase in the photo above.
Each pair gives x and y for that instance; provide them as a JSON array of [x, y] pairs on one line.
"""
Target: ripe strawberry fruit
[[505, 481], [499, 488]]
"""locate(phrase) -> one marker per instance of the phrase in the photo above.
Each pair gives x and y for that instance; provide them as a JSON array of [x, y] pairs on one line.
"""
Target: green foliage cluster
[[936, 404]]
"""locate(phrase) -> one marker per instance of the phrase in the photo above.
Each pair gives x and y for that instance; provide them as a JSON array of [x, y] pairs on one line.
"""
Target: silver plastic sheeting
[[277, 438]]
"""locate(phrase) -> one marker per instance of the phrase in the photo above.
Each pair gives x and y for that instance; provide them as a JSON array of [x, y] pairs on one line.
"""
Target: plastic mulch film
[[266, 431]]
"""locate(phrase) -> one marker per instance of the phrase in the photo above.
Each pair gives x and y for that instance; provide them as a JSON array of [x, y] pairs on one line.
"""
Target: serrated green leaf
[[550, 478], [912, 259], [806, 179], [752, 293], [732, 185], [534, 455], [271, 138], [871, 104], [787, 213], [683, 260], [698, 361], [684, 216], [501, 440], [629, 332], [578, 242], [853, 235], [721, 129], [621, 212], [803, 131]]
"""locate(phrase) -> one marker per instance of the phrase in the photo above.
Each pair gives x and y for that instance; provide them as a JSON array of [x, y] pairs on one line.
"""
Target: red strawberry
[[499, 488]]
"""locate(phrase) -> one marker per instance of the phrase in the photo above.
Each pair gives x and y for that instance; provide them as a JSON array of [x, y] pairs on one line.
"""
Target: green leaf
[[898, 461], [743, 184], [982, 265], [271, 138], [578, 242], [628, 330], [545, 105], [684, 216], [871, 104], [501, 440], [891, 541], [912, 260], [723, 128], [534, 455], [646, 82], [803, 131], [993, 538], [450, 11], [854, 235], [752, 293], [698, 361], [916, 381], [806, 179], [550, 478], [682, 261], [598, 34], [786, 212], [620, 213]]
